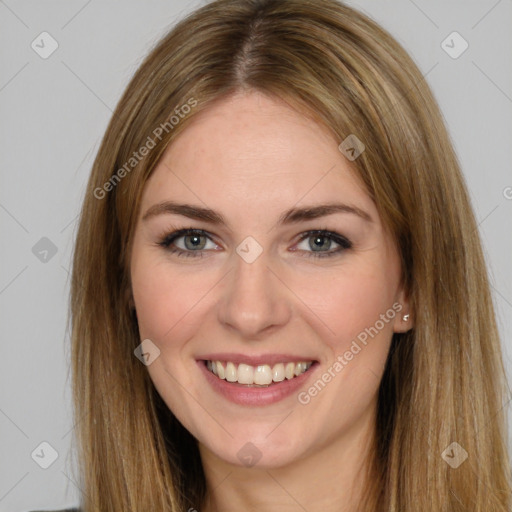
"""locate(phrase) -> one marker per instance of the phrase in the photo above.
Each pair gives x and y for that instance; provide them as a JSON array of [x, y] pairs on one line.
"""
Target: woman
[[279, 300]]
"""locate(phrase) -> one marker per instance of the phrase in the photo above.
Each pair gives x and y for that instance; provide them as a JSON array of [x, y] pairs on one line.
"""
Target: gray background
[[53, 114]]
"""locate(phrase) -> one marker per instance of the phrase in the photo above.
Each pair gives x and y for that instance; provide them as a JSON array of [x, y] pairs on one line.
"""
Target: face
[[257, 248]]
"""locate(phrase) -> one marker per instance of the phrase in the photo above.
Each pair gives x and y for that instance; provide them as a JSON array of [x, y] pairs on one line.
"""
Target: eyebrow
[[291, 216]]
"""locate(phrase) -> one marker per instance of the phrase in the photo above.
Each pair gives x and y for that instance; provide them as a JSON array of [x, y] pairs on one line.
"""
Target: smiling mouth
[[257, 376]]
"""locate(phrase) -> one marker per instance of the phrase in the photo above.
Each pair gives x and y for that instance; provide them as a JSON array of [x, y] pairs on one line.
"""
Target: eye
[[188, 242], [322, 244]]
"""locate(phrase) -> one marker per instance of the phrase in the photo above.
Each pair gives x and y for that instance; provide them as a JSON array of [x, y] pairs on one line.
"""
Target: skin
[[250, 158]]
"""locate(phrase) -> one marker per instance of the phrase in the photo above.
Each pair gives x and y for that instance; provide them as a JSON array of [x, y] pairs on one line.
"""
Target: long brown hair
[[444, 381]]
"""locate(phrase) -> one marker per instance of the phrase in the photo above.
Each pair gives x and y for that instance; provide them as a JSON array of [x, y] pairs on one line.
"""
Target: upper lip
[[258, 360]]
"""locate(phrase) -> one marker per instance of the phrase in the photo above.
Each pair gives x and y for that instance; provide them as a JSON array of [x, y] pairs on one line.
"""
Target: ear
[[404, 319]]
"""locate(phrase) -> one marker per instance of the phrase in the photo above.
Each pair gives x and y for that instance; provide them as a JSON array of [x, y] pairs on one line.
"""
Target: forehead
[[254, 151]]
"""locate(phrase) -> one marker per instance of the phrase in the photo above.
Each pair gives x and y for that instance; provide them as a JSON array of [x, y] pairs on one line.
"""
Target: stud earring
[[405, 318]]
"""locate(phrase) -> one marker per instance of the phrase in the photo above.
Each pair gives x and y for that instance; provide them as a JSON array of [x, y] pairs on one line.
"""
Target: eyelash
[[342, 241]]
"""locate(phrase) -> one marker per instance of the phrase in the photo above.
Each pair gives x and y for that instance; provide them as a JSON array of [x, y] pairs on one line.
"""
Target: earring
[[405, 318]]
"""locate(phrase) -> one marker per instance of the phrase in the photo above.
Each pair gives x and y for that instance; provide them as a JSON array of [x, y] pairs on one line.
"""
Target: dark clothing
[[61, 510]]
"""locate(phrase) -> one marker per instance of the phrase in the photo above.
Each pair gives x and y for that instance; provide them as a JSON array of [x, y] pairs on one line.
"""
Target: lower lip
[[244, 395]]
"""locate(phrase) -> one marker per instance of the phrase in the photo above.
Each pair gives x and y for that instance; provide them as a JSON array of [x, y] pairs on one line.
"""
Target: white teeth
[[289, 371], [231, 373], [261, 375], [300, 368], [245, 374], [278, 372], [220, 370]]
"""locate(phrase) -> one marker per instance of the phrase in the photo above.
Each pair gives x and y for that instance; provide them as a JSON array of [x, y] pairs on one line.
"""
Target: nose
[[255, 301]]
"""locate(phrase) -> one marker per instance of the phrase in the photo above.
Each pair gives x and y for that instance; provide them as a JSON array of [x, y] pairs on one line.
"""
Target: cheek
[[167, 302], [348, 304], [356, 306]]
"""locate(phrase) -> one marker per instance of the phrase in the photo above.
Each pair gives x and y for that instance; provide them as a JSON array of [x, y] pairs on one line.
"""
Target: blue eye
[[187, 242], [192, 242], [318, 244]]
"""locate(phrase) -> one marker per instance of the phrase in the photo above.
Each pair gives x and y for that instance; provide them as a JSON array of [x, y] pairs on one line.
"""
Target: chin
[[259, 451]]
